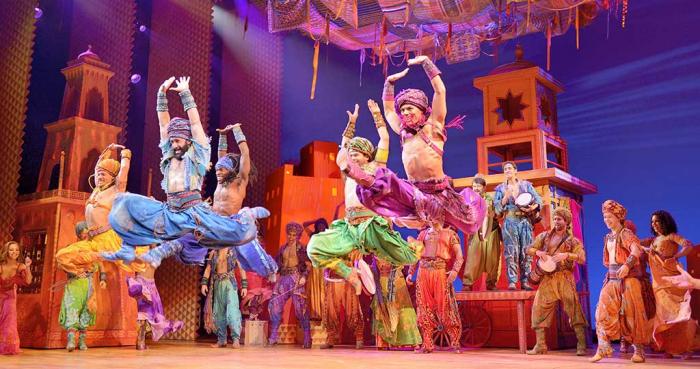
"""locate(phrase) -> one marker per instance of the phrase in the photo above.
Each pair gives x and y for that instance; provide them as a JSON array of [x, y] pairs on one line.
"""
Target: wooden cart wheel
[[476, 325], [440, 337]]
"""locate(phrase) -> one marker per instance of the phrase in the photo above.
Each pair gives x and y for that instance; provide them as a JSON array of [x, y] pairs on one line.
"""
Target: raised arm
[[162, 108], [244, 166], [382, 155], [183, 89], [388, 98], [439, 107], [348, 134], [125, 164]]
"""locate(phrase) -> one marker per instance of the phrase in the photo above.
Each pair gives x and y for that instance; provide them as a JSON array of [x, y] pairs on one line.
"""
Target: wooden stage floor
[[176, 355]]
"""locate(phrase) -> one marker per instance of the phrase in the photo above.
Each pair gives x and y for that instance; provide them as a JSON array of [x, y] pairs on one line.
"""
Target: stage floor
[[175, 355]]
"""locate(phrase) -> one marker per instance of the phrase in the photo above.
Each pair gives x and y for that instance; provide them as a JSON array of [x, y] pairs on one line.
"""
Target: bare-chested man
[[427, 196], [80, 259], [222, 309], [233, 173], [362, 231], [436, 304], [140, 220]]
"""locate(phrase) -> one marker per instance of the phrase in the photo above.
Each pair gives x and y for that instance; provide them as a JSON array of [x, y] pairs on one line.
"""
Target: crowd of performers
[[137, 233]]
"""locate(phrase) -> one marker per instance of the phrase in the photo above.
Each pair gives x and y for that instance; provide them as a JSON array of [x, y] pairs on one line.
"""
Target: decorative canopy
[[453, 29]]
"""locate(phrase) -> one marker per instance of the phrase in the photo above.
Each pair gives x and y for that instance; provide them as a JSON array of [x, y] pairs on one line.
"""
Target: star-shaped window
[[510, 108]]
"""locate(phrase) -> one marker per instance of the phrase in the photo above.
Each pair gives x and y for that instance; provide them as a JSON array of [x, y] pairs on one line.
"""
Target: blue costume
[[140, 220], [517, 232]]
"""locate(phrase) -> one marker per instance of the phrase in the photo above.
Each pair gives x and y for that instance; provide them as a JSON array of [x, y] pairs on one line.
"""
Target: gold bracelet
[[126, 154]]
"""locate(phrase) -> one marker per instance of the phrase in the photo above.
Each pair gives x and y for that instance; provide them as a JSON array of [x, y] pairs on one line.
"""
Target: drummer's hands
[[541, 253], [623, 271], [451, 276], [560, 256]]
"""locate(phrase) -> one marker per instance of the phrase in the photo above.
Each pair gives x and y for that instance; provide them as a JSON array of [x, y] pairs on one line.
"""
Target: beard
[[179, 154]]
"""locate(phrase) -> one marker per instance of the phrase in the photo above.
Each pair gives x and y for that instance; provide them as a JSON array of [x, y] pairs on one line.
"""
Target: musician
[[517, 228], [293, 269], [559, 246]]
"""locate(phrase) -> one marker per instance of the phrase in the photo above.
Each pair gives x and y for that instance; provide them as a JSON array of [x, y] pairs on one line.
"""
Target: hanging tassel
[[385, 67], [577, 30], [405, 53], [625, 9], [317, 45], [407, 15], [382, 36], [527, 24], [363, 56], [448, 45], [328, 30], [549, 44]]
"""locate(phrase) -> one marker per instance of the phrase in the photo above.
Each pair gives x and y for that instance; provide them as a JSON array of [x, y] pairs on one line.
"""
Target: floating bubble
[[135, 78], [143, 28], [38, 13]]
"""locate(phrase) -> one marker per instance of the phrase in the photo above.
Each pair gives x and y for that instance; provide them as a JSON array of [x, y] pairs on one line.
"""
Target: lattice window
[[34, 246]]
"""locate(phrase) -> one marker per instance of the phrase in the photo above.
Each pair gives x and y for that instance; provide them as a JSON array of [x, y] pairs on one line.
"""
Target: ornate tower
[[521, 125], [46, 218]]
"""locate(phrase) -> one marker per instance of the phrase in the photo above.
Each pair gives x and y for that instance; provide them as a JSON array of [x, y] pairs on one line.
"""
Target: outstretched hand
[[397, 76], [115, 147], [183, 83], [228, 128], [353, 116], [373, 107], [417, 60], [166, 85], [683, 280]]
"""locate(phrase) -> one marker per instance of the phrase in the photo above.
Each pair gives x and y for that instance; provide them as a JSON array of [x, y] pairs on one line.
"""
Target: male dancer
[[620, 312], [435, 297], [222, 310], [427, 196], [233, 173], [292, 261], [140, 220], [362, 231], [558, 286]]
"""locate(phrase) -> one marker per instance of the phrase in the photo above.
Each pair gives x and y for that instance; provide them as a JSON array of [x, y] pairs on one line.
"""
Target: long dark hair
[[668, 224]]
